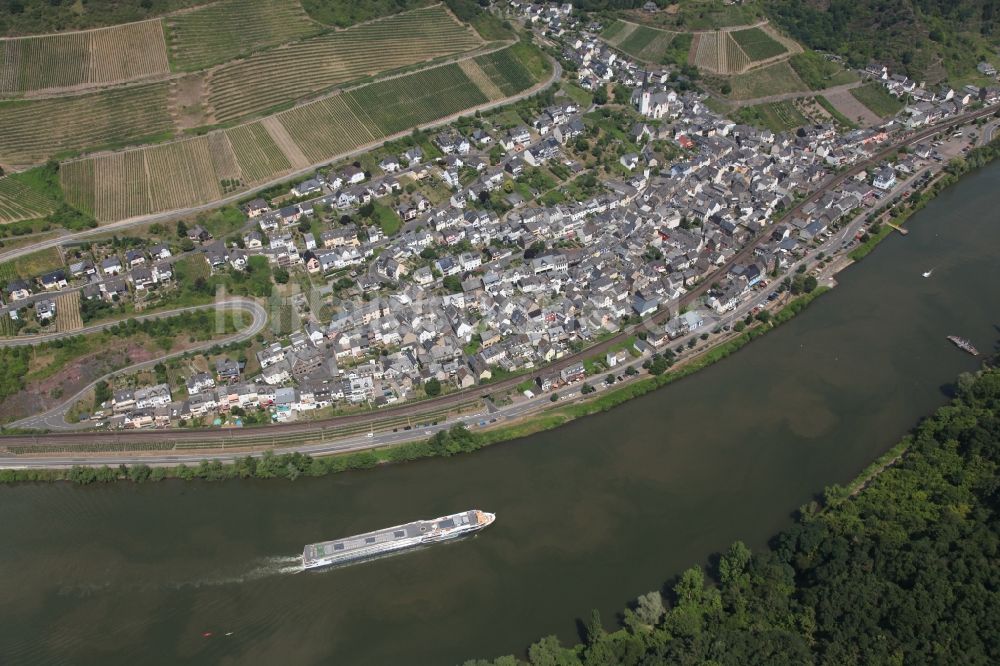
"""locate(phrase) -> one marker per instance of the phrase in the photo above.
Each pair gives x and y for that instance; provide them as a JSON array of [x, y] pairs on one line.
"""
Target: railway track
[[311, 431]]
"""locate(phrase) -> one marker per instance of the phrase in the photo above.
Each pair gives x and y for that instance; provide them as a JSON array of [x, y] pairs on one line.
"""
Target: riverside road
[[314, 429]]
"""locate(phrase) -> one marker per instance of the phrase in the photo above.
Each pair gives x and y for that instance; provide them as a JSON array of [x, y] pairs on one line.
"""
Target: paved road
[[314, 428], [26, 340], [233, 198], [55, 418]]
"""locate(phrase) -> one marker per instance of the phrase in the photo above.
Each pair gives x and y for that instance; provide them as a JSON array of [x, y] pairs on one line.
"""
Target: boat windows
[[338, 546], [370, 540], [399, 534]]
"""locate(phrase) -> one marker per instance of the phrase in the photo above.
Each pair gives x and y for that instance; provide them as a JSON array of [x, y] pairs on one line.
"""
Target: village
[[518, 242]]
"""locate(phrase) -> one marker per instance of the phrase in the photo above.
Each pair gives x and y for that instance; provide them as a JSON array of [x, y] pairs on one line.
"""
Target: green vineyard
[[185, 173], [256, 152], [20, 202], [325, 128], [273, 78], [196, 40], [107, 55], [757, 44], [412, 100], [33, 131], [506, 71]]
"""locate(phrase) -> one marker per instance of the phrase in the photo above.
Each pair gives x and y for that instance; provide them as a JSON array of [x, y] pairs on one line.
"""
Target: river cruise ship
[[391, 539]]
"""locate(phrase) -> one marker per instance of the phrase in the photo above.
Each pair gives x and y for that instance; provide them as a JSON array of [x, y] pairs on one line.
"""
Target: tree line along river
[[589, 515]]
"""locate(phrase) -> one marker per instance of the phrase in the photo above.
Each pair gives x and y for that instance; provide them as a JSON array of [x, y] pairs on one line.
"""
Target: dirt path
[[285, 142]]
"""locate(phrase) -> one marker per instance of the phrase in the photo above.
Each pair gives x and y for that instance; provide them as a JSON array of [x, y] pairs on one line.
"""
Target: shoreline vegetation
[[455, 440], [893, 568], [903, 210], [459, 439]]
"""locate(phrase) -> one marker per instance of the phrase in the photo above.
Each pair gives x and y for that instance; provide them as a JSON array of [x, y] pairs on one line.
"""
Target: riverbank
[[444, 443], [903, 211], [924, 530], [293, 465], [622, 500]]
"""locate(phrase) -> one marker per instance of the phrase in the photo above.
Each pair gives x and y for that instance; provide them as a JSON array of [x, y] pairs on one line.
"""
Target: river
[[589, 515]]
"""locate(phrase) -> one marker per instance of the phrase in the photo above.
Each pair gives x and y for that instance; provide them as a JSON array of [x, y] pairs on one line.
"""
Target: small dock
[[898, 228]]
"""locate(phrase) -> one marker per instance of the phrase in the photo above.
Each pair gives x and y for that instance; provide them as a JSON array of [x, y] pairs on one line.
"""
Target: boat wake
[[259, 569], [266, 567]]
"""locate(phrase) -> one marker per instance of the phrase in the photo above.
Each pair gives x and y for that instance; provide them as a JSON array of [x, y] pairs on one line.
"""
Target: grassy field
[[35, 130], [771, 80], [757, 44], [818, 73], [18, 201], [775, 116], [196, 41], [877, 99], [31, 265], [95, 57], [272, 78]]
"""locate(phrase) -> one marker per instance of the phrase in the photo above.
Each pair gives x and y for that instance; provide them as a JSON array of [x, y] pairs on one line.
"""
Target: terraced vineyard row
[[505, 71], [77, 181], [706, 51], [181, 174], [226, 30], [31, 131], [20, 202], [186, 173], [757, 44], [258, 155], [272, 78], [638, 40], [68, 312], [120, 53], [311, 127], [397, 104], [121, 186]]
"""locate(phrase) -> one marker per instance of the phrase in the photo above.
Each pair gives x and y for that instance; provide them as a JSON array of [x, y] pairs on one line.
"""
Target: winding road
[[179, 213], [55, 418], [315, 429]]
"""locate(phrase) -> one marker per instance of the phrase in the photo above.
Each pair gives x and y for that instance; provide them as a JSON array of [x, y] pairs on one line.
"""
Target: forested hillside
[[902, 572], [24, 17], [927, 39]]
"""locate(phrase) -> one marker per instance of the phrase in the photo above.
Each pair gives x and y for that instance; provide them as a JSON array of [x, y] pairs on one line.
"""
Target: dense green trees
[[13, 368], [911, 35], [901, 569]]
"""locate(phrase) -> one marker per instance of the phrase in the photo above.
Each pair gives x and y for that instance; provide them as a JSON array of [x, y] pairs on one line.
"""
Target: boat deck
[[416, 529]]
